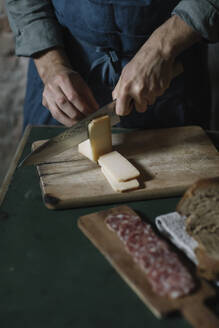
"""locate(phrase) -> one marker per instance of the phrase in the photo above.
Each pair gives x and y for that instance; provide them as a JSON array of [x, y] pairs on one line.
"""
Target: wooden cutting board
[[191, 306], [169, 161]]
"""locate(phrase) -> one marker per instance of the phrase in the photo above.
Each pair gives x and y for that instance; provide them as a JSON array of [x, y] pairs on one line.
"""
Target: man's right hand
[[66, 95]]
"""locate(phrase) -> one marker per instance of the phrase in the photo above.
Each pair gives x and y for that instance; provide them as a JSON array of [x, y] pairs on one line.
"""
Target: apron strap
[[109, 64]]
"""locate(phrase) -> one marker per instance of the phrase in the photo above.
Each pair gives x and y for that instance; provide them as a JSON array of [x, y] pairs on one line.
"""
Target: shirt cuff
[[37, 36], [202, 16]]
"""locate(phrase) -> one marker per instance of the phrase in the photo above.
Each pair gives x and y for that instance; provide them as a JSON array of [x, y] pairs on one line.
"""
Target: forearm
[[50, 61], [173, 37]]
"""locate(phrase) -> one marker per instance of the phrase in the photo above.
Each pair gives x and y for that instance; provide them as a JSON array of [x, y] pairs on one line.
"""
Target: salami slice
[[127, 228], [165, 272], [114, 221]]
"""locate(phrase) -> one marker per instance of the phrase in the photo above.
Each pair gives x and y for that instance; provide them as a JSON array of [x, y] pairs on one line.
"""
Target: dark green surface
[[51, 276]]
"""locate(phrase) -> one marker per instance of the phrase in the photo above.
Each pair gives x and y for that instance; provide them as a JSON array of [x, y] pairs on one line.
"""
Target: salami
[[115, 221], [126, 228], [165, 272]]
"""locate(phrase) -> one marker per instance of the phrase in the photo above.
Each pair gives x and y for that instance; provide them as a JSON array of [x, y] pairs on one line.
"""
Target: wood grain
[[191, 306], [169, 161]]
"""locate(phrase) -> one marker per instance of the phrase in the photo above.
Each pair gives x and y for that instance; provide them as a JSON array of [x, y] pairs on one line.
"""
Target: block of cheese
[[100, 136], [118, 166], [120, 186], [85, 149]]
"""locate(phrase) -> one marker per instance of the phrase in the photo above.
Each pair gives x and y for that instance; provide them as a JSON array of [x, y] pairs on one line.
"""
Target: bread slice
[[200, 204]]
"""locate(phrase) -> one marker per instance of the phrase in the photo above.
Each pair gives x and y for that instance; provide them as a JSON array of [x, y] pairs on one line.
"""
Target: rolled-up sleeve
[[202, 16], [34, 25]]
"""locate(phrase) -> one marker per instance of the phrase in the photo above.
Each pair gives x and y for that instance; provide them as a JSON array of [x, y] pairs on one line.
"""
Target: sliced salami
[[165, 272], [127, 228], [114, 221]]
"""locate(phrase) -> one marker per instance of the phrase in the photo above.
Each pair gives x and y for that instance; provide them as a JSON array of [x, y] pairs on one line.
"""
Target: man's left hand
[[152, 69], [143, 79]]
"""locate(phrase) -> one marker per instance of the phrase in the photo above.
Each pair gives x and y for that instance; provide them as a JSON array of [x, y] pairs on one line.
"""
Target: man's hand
[[151, 71], [143, 79], [66, 95]]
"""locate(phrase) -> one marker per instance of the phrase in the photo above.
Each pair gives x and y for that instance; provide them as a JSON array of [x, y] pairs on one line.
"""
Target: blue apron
[[101, 36]]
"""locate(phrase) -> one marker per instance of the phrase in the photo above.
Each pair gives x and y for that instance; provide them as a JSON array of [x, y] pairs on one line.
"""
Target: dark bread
[[200, 204]]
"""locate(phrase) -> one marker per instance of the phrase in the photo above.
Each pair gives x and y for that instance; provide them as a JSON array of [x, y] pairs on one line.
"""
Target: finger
[[81, 104], [86, 104], [141, 101], [123, 105], [59, 115], [44, 102], [153, 94], [116, 90], [54, 94], [141, 107], [69, 110]]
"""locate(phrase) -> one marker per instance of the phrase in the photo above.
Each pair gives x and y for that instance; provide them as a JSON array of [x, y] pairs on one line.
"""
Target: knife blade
[[69, 138]]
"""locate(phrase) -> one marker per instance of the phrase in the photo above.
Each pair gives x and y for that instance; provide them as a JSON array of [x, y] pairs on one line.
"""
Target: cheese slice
[[85, 149], [100, 136], [114, 164], [120, 186]]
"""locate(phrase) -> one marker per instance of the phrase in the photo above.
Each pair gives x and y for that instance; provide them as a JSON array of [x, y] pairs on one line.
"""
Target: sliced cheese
[[114, 164], [100, 136], [120, 186], [85, 149]]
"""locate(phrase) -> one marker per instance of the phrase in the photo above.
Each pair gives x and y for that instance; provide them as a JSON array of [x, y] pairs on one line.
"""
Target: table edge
[[8, 177]]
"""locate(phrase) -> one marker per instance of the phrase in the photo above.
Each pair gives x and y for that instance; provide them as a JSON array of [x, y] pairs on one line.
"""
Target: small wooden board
[[191, 306], [169, 161]]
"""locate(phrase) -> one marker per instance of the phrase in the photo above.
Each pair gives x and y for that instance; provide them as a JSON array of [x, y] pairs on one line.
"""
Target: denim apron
[[100, 37]]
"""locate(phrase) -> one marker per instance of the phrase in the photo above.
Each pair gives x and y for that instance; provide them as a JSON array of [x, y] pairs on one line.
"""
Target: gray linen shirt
[[36, 28]]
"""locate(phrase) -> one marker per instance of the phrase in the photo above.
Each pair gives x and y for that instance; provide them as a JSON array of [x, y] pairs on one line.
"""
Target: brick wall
[[12, 89]]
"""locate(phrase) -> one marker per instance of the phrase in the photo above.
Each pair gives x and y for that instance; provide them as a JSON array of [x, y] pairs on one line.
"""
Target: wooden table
[[50, 273]]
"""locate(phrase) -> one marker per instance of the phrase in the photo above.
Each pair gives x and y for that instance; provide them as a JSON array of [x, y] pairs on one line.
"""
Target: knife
[[69, 138]]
